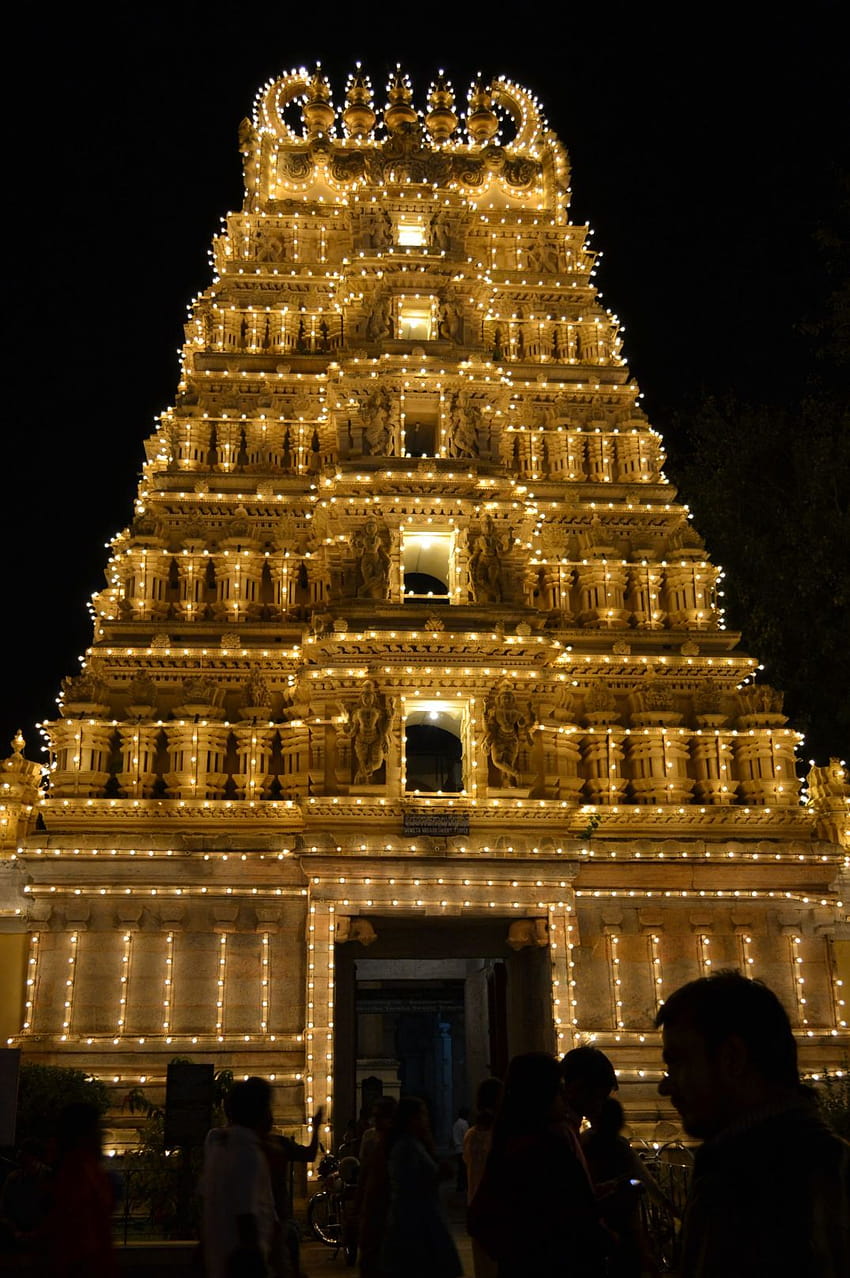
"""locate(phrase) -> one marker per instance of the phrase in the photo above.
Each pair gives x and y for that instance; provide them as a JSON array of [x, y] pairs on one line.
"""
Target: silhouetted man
[[239, 1217], [589, 1079], [771, 1186]]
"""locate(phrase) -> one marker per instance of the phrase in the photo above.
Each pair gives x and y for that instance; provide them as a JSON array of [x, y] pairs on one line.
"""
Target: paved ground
[[320, 1262]]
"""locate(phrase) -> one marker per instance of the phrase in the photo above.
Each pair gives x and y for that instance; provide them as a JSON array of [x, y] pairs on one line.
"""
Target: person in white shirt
[[239, 1219], [459, 1129]]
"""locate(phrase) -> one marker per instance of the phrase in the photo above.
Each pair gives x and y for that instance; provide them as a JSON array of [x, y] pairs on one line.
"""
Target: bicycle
[[330, 1210]]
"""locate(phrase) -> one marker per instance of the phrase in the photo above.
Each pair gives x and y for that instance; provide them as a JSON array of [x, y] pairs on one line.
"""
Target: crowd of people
[[553, 1187]]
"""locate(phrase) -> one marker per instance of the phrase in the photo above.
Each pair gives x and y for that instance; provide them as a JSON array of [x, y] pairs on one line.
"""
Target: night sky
[[704, 143]]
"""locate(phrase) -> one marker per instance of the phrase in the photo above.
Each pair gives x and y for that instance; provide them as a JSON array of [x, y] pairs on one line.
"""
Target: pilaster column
[[139, 742], [196, 753], [712, 763], [602, 753], [254, 746], [80, 750]]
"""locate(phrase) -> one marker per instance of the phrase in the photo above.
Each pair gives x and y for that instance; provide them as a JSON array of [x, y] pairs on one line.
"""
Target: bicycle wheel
[[325, 1218]]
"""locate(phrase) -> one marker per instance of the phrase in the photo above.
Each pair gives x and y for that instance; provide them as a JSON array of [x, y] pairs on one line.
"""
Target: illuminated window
[[411, 231], [415, 319], [434, 736], [428, 564]]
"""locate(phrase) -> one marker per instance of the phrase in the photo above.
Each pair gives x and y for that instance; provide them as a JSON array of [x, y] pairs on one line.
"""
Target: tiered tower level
[[408, 624]]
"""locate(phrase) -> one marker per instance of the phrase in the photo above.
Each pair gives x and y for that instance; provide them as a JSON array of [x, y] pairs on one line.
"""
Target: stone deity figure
[[368, 727], [485, 563], [543, 256], [464, 421], [380, 321], [248, 150], [372, 542], [375, 230], [440, 232], [450, 327], [507, 728], [378, 424]]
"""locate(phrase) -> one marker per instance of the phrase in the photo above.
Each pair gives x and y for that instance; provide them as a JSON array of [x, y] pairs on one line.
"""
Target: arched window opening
[[434, 749], [427, 565]]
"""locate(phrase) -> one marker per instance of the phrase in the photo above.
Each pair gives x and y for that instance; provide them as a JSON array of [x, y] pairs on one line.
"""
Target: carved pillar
[[295, 759], [689, 595], [562, 777], [644, 598], [574, 455], [254, 747], [636, 456], [196, 755], [602, 754], [764, 764], [555, 580], [191, 444], [658, 764], [600, 458], [139, 742], [80, 749], [192, 577], [239, 575], [602, 586], [712, 763], [145, 578]]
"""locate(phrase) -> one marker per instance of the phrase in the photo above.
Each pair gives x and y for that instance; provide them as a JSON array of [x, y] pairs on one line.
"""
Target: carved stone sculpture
[[378, 423], [485, 563], [380, 321], [507, 728], [371, 543], [368, 727]]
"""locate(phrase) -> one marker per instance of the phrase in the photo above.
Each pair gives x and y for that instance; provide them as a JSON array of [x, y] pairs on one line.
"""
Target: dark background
[[708, 148]]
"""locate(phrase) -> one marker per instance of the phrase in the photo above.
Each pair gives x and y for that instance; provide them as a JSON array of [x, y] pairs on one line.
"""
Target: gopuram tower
[[410, 735]]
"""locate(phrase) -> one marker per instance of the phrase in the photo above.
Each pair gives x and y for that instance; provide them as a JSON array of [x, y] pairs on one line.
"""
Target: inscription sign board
[[443, 824]]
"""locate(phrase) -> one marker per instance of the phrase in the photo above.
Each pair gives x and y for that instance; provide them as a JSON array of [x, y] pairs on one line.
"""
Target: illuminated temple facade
[[410, 735]]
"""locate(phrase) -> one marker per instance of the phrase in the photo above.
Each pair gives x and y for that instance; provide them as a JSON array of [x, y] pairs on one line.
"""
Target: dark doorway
[[432, 1007], [434, 759], [420, 438]]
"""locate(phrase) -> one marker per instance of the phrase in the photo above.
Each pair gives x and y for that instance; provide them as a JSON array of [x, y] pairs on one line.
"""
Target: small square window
[[411, 232], [414, 321]]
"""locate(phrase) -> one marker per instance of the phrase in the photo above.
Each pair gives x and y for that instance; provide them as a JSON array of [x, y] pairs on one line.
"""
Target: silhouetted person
[[589, 1080], [79, 1226], [459, 1129], [281, 1152], [417, 1242], [239, 1219], [771, 1185], [535, 1211], [372, 1200], [620, 1178], [476, 1149]]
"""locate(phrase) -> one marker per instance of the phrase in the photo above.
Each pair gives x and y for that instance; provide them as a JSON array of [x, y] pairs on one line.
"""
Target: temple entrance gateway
[[430, 1008]]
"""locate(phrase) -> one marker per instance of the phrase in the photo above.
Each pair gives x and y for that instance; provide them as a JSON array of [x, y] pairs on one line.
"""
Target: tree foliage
[[770, 491], [834, 1101], [45, 1090]]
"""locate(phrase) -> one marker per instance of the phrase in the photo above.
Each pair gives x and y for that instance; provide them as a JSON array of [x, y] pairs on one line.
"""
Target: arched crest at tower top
[[497, 151]]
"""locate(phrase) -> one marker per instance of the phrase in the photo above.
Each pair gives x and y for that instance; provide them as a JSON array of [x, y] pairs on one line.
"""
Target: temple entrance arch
[[430, 1007]]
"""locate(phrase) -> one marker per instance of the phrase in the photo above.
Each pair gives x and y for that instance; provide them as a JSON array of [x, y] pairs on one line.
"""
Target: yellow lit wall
[[842, 961], [13, 962]]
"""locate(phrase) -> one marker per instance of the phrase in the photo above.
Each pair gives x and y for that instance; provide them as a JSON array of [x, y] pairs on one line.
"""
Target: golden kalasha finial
[[482, 120], [441, 119], [400, 111], [358, 115], [317, 111]]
